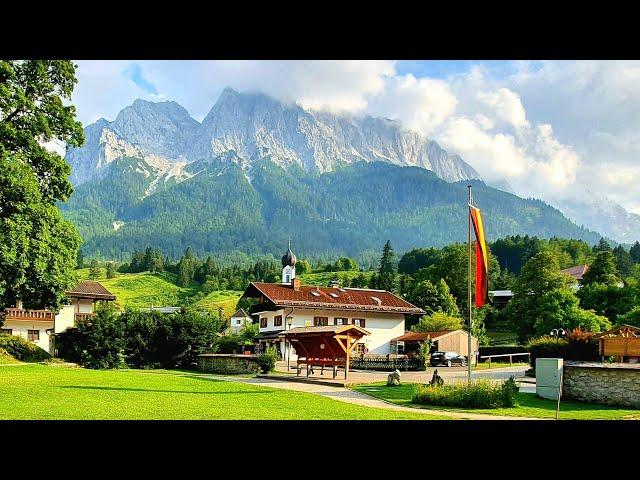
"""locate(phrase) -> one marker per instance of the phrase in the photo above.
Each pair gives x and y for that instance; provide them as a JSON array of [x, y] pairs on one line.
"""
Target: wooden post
[[489, 361], [346, 367], [510, 360]]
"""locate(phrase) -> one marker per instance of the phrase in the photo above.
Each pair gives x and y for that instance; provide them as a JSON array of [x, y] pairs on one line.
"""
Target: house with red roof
[[289, 304]]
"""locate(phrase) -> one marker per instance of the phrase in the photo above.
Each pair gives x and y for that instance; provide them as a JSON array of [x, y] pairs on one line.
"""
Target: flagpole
[[469, 290]]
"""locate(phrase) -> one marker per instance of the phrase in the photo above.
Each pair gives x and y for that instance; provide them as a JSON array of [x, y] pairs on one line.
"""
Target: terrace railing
[[21, 314], [84, 316]]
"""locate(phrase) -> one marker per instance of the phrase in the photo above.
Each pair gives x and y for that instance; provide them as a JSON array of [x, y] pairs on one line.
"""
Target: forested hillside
[[223, 208]]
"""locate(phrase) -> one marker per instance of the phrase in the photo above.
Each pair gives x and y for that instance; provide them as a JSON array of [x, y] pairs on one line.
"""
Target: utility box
[[548, 377]]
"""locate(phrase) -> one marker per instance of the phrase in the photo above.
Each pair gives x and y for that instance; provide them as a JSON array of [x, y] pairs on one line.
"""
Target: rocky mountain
[[255, 126], [603, 215], [257, 170]]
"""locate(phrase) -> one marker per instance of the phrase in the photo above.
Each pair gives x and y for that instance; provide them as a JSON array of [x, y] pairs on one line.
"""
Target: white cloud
[[548, 128], [421, 104]]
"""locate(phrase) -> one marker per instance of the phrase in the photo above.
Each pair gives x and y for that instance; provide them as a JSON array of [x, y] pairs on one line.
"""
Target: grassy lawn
[[530, 405], [57, 392], [227, 299]]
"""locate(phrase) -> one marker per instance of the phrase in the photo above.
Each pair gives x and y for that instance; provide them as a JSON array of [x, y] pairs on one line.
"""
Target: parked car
[[447, 358]]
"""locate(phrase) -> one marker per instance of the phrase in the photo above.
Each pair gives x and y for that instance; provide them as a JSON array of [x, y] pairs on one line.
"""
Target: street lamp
[[557, 333]]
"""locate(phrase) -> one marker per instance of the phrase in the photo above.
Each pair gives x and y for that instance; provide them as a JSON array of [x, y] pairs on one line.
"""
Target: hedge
[[479, 394], [22, 350]]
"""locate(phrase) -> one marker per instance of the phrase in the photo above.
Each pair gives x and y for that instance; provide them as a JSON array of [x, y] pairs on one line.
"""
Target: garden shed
[[442, 341]]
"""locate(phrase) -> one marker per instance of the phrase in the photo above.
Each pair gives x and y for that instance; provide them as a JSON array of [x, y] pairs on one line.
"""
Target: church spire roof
[[289, 258]]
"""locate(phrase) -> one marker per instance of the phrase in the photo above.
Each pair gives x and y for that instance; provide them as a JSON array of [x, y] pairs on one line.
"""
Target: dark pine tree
[[387, 270]]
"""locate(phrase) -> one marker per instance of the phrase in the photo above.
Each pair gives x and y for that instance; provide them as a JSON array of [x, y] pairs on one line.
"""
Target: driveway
[[449, 374]]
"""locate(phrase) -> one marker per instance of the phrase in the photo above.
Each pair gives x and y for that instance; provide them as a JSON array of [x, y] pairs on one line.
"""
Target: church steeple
[[288, 266]]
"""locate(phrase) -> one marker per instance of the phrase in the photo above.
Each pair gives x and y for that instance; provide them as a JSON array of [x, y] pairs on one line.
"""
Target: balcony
[[30, 315], [84, 316]]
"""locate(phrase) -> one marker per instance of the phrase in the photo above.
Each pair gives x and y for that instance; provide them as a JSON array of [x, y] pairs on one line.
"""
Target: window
[[6, 331], [320, 321], [315, 294], [333, 295], [238, 322], [341, 321], [277, 321], [359, 322], [377, 300], [33, 335], [263, 322], [360, 348]]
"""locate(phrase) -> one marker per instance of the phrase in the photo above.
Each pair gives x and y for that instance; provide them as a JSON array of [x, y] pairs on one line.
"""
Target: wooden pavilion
[[325, 346], [623, 342]]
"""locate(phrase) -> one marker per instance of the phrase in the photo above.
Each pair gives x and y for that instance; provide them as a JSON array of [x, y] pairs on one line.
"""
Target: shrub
[[140, 339], [22, 350], [267, 360], [479, 394], [546, 347], [581, 346], [228, 344]]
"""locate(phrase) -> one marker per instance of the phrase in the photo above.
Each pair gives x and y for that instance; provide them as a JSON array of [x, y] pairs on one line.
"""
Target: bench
[[311, 362]]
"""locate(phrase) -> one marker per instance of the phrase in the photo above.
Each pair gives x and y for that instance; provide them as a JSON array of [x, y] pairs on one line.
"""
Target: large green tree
[[38, 247], [602, 270], [540, 275]]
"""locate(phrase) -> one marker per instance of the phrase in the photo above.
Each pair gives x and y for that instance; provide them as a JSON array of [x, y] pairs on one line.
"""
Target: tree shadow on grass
[[145, 390]]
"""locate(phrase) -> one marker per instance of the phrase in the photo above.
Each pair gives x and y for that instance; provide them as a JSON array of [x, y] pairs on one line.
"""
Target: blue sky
[[551, 129]]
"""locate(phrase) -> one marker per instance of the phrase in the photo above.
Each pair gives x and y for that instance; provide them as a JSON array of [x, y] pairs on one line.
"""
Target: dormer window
[[315, 294], [377, 300], [333, 295]]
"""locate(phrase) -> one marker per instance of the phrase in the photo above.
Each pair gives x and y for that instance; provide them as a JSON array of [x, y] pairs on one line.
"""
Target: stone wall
[[606, 383], [228, 364]]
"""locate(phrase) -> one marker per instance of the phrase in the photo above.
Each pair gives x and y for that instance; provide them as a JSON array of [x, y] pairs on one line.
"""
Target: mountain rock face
[[255, 126], [257, 171], [603, 215]]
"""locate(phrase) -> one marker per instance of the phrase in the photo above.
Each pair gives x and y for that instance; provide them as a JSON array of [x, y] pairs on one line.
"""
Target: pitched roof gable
[[333, 298]]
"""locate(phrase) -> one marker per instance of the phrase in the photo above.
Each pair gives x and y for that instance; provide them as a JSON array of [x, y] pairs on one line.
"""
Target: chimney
[[295, 283]]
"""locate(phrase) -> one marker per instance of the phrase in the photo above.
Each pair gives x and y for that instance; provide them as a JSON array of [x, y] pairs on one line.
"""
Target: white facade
[[383, 327], [38, 331], [33, 330], [237, 323]]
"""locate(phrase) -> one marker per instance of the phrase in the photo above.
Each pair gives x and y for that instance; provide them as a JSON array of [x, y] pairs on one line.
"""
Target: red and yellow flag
[[482, 264]]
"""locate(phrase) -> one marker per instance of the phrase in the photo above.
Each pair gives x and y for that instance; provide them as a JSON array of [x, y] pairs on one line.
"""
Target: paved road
[[349, 396]]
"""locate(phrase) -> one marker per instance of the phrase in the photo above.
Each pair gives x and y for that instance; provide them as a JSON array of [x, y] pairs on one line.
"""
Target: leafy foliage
[[39, 247], [436, 322]]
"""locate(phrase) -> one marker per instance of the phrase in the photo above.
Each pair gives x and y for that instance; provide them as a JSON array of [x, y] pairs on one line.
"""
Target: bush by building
[[22, 350]]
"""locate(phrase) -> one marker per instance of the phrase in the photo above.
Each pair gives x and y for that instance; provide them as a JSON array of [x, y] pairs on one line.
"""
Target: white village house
[[286, 305], [40, 326], [238, 320]]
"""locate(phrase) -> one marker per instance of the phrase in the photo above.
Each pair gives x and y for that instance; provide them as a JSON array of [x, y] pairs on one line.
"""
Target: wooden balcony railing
[[21, 314], [84, 316]]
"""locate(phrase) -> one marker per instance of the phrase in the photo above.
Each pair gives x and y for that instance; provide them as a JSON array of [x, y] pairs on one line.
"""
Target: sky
[[556, 130]]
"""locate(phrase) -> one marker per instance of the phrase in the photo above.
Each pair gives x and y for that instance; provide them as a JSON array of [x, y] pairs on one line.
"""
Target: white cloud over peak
[[547, 128]]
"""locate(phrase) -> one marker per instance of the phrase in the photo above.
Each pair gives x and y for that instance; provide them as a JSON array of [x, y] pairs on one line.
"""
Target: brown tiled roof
[[576, 272], [240, 313], [333, 298], [91, 289], [422, 336], [336, 329]]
